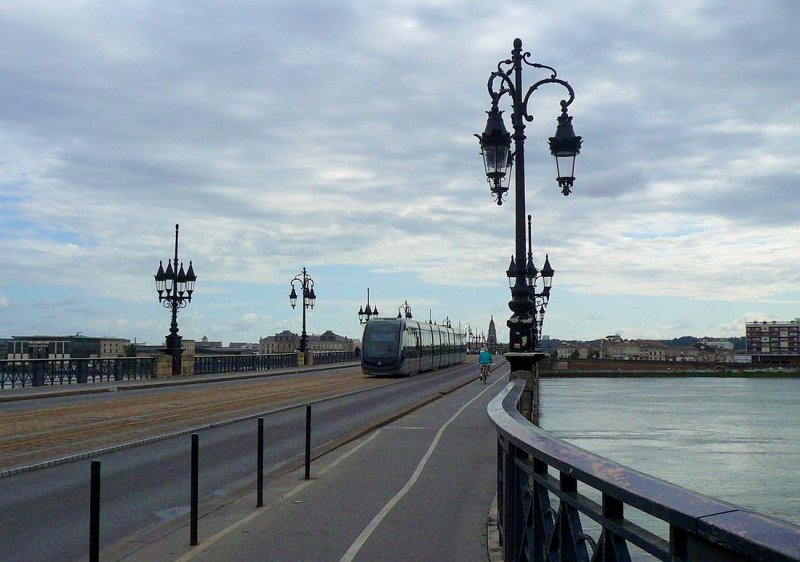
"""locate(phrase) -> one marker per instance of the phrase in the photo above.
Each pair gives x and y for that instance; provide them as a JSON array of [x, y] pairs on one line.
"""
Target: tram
[[401, 346]]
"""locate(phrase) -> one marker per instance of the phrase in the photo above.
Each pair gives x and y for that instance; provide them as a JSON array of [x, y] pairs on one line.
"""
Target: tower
[[491, 339]]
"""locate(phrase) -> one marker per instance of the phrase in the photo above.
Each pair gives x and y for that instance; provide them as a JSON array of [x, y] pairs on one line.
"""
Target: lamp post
[[306, 284], [365, 313], [541, 298], [175, 287], [498, 159], [404, 310]]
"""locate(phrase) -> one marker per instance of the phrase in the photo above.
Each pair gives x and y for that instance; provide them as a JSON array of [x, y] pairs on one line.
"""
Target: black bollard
[[260, 474], [308, 441], [195, 479], [94, 514]]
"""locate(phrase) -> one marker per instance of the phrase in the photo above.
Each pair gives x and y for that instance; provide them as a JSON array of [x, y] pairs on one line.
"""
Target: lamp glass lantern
[[169, 277], [547, 273], [531, 273], [511, 273], [190, 279], [496, 151], [293, 297], [565, 146], [160, 279]]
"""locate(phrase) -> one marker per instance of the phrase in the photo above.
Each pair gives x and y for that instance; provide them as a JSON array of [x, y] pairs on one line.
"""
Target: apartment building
[[773, 338]]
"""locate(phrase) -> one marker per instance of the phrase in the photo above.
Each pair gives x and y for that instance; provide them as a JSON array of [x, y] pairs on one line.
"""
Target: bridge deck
[[417, 489]]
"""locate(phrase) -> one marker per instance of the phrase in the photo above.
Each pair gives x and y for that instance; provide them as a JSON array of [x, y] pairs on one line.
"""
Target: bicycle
[[484, 373]]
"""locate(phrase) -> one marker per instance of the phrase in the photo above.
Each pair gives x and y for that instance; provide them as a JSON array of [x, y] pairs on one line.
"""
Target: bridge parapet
[[701, 528]]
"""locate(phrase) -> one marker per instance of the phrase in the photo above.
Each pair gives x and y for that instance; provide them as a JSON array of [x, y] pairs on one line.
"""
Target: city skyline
[[337, 136]]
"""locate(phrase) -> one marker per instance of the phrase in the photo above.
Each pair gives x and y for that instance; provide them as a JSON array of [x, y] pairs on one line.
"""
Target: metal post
[[260, 471], [194, 494], [94, 514], [304, 336], [308, 442]]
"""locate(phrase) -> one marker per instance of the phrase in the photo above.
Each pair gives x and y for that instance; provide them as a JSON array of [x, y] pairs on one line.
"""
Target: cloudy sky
[[338, 135]]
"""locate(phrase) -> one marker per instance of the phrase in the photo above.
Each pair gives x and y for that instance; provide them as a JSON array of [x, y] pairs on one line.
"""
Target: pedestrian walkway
[[417, 489]]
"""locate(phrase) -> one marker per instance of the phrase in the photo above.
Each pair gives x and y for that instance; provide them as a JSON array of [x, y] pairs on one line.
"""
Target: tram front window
[[381, 341]]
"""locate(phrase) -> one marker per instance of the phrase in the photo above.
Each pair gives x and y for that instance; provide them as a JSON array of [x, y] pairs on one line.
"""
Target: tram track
[[42, 433]]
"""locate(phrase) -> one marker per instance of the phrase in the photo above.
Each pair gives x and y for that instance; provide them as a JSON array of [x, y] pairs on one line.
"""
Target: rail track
[[43, 432]]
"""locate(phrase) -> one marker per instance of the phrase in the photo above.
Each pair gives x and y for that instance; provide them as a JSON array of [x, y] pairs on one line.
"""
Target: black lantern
[[496, 151], [511, 273], [547, 273], [565, 146], [365, 313]]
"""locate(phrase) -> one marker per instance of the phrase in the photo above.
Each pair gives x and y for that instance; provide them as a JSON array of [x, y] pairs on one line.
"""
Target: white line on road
[[367, 532]]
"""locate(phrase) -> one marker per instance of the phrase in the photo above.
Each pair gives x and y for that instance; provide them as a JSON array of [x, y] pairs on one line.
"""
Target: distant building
[[284, 342], [65, 347], [573, 351], [614, 347], [288, 342], [776, 343], [773, 338]]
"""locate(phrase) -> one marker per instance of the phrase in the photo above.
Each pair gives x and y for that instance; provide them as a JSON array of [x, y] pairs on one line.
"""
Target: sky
[[338, 136]]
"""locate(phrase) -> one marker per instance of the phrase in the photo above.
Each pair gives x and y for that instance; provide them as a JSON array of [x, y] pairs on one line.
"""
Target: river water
[[734, 439]]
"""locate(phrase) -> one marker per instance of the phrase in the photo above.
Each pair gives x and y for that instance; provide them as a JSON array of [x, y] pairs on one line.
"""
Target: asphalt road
[[44, 513]]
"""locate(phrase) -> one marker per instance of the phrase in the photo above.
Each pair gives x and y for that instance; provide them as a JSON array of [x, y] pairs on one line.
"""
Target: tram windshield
[[381, 340]]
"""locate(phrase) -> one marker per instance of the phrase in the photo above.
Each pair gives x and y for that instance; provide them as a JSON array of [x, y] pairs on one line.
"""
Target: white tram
[[400, 346]]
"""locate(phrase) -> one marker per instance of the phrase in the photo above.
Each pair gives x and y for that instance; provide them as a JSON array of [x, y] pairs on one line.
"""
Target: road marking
[[202, 547], [367, 532]]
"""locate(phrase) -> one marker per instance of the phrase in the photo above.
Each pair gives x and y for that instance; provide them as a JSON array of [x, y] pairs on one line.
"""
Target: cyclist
[[485, 359]]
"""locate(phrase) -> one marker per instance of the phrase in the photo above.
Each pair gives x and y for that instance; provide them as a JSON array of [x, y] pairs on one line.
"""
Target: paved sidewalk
[[417, 489]]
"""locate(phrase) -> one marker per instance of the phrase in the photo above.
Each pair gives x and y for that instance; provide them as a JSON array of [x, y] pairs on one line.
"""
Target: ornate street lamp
[[306, 284], [495, 147], [365, 313], [404, 310], [532, 275], [175, 287]]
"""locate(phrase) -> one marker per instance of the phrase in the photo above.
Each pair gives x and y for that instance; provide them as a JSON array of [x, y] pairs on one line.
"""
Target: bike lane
[[419, 488]]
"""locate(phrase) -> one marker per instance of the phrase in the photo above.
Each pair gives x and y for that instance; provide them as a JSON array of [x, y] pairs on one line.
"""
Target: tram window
[[381, 340]]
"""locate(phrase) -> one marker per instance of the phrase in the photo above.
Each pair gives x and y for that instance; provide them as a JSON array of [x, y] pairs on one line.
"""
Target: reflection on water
[[733, 439]]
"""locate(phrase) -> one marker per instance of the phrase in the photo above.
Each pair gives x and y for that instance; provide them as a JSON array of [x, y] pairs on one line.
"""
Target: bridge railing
[[531, 529], [205, 364], [328, 357], [41, 372]]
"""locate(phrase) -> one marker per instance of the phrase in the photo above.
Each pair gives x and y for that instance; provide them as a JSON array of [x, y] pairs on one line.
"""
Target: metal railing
[[43, 372], [206, 364], [328, 357], [531, 529]]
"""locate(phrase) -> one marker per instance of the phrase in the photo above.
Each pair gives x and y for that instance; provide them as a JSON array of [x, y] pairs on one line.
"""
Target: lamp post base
[[523, 367], [174, 348]]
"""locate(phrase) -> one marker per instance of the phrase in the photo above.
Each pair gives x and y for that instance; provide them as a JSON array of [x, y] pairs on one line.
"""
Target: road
[[45, 512]]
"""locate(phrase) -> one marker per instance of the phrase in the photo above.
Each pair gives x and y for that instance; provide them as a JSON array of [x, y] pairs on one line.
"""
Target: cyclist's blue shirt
[[485, 358]]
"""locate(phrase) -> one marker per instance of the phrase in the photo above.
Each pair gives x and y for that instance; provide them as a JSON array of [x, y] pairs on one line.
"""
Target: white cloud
[[339, 136]]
